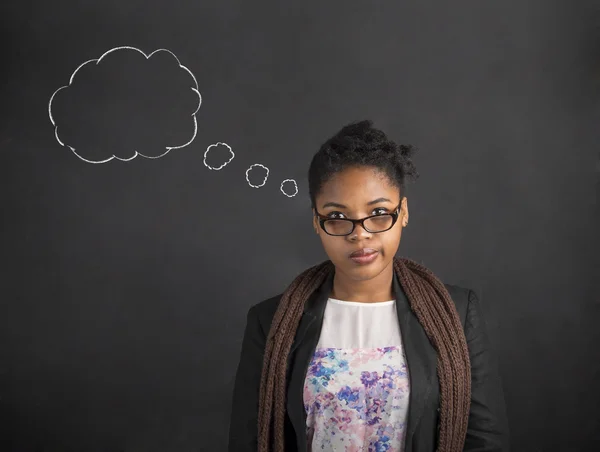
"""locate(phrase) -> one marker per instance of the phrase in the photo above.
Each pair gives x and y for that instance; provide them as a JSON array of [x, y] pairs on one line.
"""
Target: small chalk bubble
[[256, 170], [288, 184], [218, 152]]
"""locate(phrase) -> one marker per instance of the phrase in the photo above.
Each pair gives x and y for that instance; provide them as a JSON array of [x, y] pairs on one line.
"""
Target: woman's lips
[[365, 256]]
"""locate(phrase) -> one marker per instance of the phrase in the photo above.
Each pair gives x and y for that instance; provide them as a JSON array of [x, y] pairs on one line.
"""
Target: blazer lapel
[[421, 359], [301, 353]]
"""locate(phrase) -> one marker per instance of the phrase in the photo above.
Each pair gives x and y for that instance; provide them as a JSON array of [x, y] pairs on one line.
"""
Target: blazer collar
[[421, 359], [314, 309]]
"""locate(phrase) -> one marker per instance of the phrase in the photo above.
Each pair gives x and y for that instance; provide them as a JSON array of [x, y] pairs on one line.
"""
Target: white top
[[356, 390]]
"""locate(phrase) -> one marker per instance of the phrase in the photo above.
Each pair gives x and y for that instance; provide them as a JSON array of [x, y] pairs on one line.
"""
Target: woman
[[366, 351]]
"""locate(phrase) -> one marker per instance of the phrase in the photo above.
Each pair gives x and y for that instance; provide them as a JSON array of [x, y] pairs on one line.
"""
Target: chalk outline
[[97, 60], [295, 185], [224, 164], [266, 177]]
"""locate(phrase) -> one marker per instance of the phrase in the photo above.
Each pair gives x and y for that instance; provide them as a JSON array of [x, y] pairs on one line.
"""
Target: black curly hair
[[360, 144]]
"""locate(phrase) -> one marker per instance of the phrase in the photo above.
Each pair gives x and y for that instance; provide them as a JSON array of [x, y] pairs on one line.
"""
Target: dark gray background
[[124, 286]]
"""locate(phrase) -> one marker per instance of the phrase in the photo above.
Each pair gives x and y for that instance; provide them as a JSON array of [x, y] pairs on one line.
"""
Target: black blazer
[[487, 429]]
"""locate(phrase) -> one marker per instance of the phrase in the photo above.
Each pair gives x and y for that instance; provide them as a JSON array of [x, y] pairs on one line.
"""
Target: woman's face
[[350, 194]]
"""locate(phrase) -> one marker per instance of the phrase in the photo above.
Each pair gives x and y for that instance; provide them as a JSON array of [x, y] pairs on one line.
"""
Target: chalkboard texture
[[153, 162]]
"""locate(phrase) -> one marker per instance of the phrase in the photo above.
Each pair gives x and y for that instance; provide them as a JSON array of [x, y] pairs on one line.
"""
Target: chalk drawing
[[136, 153], [288, 181], [220, 148], [254, 169]]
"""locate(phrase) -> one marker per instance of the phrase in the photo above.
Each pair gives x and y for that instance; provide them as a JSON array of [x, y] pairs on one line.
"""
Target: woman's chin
[[362, 272]]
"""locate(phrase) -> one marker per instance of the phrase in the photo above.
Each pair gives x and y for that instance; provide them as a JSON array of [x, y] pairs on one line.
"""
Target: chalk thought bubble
[[219, 154], [257, 171], [125, 104], [290, 186]]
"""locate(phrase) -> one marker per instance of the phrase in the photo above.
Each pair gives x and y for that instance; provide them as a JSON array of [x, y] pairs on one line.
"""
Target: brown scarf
[[431, 303]]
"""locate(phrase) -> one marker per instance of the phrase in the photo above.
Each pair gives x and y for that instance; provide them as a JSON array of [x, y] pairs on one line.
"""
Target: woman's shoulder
[[267, 306], [461, 296], [264, 311]]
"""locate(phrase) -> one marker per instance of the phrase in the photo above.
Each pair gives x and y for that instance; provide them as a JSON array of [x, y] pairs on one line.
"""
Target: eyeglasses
[[345, 226]]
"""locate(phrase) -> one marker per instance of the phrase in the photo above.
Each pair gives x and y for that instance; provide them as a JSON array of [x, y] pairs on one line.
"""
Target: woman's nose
[[359, 232]]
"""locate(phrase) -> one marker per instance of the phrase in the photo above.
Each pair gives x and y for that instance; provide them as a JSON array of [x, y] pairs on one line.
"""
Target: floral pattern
[[357, 399]]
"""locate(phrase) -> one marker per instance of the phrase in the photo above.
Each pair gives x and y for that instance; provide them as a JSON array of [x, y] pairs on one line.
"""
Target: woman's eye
[[380, 211], [335, 214]]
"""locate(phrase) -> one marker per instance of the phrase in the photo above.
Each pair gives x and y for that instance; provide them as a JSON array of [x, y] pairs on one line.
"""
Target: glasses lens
[[379, 223], [338, 227]]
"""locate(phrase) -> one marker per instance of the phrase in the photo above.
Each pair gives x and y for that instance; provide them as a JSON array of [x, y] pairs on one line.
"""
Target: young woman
[[366, 351]]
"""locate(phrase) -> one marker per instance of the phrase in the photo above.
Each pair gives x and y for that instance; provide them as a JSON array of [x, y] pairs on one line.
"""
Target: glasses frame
[[323, 218]]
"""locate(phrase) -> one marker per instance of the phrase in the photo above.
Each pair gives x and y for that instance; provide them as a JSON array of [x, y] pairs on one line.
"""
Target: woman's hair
[[361, 145]]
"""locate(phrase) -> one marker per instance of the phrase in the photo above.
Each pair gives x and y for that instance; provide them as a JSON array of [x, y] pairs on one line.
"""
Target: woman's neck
[[371, 290]]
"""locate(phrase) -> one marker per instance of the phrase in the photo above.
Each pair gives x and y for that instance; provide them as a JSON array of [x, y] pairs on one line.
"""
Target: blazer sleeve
[[243, 425], [487, 430]]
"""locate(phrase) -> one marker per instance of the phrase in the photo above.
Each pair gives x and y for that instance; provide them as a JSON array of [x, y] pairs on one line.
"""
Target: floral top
[[356, 390]]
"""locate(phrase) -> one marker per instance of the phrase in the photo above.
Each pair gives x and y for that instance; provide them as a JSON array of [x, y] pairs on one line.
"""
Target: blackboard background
[[124, 285]]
